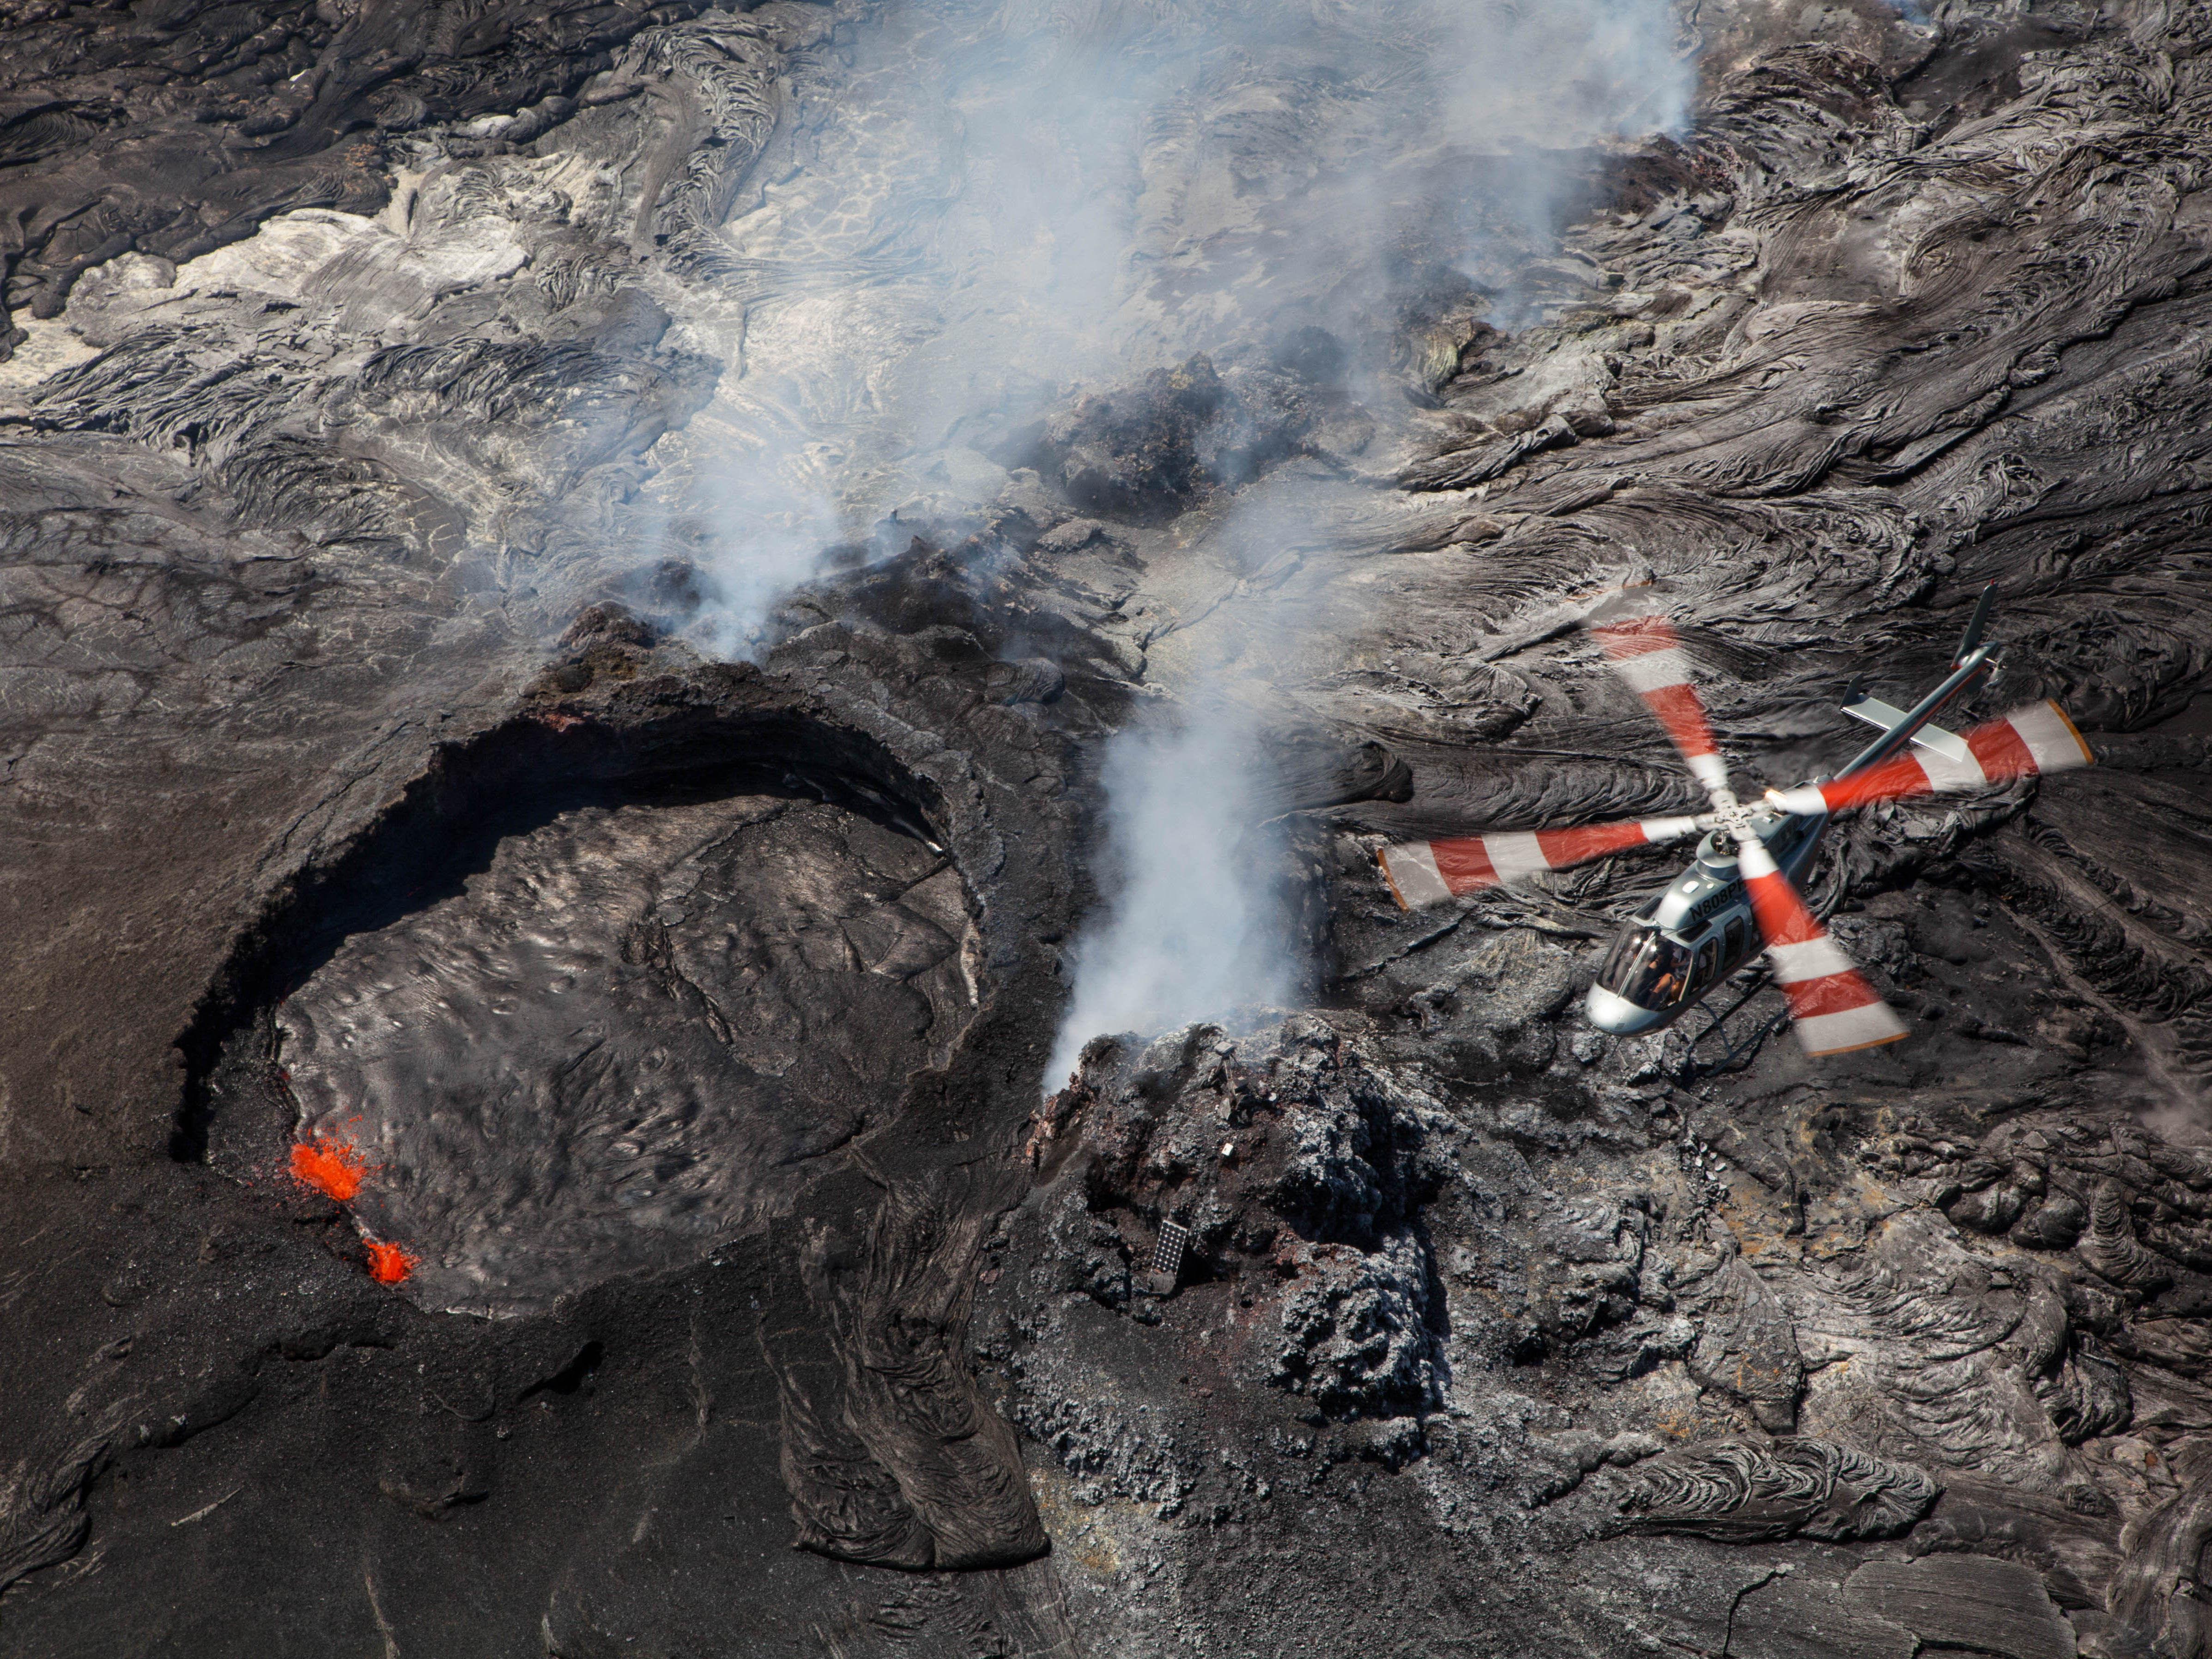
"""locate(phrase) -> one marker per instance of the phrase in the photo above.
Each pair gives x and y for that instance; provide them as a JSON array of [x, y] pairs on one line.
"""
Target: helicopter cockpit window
[[1647, 968]]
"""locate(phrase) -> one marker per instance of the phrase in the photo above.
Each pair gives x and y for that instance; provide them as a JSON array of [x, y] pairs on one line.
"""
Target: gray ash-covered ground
[[390, 391]]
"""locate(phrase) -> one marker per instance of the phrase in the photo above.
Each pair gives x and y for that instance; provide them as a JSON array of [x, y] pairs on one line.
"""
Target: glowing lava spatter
[[388, 1263], [331, 1167], [336, 1170]]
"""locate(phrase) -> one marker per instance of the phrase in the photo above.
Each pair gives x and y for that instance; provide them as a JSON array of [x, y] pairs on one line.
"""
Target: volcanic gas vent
[[632, 1035]]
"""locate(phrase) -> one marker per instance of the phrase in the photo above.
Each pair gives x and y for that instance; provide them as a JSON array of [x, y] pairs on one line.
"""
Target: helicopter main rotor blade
[[2029, 741], [1836, 1010], [1423, 872], [1647, 654]]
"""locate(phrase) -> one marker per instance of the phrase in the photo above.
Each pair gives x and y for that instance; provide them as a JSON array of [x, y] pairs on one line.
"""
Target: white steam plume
[[1192, 930], [972, 207]]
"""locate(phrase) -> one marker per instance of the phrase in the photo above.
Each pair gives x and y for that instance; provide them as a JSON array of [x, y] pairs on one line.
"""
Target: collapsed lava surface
[[631, 1037]]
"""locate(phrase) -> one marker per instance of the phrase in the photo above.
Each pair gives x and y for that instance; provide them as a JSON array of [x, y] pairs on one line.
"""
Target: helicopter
[[1740, 893]]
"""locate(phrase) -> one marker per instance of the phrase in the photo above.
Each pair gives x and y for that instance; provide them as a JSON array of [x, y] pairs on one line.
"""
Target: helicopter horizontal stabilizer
[[2035, 739], [1875, 712], [1423, 872]]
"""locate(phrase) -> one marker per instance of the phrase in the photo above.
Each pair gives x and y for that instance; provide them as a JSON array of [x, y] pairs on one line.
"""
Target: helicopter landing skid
[[1739, 1053]]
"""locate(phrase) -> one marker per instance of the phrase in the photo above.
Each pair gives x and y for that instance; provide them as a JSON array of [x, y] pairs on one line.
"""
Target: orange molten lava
[[331, 1167], [388, 1263]]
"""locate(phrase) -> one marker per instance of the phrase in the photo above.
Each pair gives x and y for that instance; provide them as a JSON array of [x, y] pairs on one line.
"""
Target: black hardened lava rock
[[772, 1334], [574, 587], [171, 130]]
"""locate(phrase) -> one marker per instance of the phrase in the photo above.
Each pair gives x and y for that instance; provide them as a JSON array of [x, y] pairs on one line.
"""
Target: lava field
[[697, 705]]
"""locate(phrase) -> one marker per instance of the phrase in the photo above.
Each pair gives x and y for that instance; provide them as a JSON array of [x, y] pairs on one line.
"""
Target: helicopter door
[[1709, 963], [1732, 945]]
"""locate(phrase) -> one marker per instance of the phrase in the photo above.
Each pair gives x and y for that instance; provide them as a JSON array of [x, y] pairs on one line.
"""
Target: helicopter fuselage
[[1696, 933], [1702, 928]]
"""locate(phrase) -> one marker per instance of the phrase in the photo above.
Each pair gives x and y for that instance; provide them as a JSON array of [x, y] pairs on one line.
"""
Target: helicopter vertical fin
[[2028, 741], [1835, 1009], [1423, 872], [1974, 625]]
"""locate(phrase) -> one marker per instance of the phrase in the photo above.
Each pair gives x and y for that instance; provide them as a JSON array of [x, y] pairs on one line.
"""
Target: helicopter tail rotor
[[1422, 873]]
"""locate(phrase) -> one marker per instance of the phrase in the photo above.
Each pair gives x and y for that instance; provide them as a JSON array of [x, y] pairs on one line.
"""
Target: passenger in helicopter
[[1647, 968]]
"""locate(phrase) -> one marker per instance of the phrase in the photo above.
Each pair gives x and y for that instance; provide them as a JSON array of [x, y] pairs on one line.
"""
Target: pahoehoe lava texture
[[382, 383], [173, 130]]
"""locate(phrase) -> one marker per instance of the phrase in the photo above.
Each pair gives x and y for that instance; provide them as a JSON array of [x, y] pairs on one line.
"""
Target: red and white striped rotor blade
[[1835, 1009], [1648, 654], [1423, 872], [2035, 739]]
